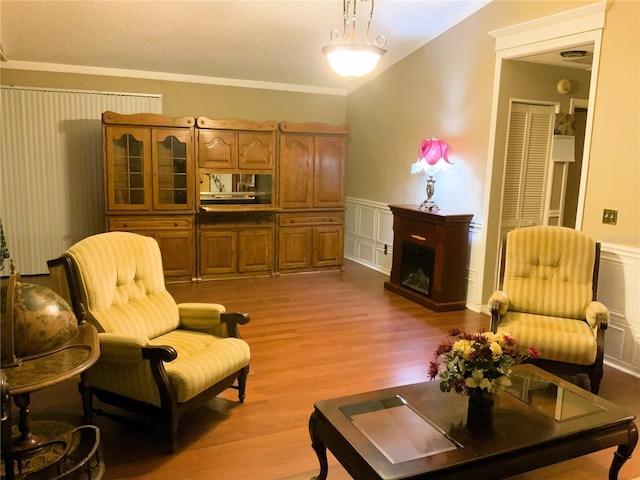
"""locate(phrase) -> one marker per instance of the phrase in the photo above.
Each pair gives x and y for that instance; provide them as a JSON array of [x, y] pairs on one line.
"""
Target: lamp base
[[428, 206]]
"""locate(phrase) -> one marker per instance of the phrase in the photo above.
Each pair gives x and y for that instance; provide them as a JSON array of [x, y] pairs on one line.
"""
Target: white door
[[524, 195]]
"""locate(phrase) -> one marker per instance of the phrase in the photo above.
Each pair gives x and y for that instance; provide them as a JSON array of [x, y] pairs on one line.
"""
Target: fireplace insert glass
[[416, 270]]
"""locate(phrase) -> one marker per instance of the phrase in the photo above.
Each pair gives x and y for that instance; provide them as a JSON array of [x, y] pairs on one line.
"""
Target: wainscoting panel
[[474, 268], [619, 290], [369, 234]]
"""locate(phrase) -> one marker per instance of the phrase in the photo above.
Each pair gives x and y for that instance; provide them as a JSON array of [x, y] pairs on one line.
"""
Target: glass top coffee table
[[416, 431]]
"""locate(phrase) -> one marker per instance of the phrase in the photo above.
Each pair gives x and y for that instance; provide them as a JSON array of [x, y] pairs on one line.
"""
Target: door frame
[[564, 30]]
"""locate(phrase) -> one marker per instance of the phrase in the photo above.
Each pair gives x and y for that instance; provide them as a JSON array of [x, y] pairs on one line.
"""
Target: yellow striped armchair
[[547, 299], [157, 357]]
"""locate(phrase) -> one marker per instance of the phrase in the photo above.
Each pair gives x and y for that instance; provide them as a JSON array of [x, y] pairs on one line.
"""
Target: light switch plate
[[610, 216]]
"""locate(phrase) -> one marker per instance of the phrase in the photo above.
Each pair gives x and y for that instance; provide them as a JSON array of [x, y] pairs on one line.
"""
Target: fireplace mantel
[[447, 235]]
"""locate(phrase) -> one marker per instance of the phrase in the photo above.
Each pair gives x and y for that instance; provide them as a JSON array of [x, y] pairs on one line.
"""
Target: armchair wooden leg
[[242, 383], [595, 379], [172, 422]]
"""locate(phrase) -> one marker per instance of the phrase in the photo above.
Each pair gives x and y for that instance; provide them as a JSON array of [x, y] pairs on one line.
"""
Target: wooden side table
[[443, 239], [31, 452]]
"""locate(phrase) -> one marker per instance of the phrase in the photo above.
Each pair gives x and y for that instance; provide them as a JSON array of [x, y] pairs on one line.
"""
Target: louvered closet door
[[526, 168]]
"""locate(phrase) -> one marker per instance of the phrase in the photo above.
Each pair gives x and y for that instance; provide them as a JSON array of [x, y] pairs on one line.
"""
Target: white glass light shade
[[352, 61]]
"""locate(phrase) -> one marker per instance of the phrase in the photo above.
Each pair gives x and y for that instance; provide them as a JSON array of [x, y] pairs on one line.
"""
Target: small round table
[[49, 452]]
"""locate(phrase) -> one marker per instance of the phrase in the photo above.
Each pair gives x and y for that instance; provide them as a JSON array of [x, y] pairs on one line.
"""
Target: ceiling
[[579, 57], [278, 42]]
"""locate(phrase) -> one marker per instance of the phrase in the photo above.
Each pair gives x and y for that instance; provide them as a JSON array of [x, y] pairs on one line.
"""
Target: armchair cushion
[[549, 271], [123, 282], [558, 339], [202, 360]]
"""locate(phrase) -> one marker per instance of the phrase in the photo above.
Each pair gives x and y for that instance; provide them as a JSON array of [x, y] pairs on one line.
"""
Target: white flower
[[477, 380], [503, 381]]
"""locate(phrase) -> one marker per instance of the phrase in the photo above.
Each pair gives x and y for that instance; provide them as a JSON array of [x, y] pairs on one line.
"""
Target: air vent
[[582, 57]]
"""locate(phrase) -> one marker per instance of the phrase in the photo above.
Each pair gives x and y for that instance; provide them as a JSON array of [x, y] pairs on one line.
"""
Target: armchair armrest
[[231, 320], [597, 315], [499, 302], [211, 318], [498, 305], [200, 316], [123, 349]]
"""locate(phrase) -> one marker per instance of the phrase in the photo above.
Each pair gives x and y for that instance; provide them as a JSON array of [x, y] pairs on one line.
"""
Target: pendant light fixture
[[346, 57]]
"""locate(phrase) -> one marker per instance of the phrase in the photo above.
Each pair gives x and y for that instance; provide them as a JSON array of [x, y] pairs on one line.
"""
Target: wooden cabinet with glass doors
[[150, 183], [312, 196]]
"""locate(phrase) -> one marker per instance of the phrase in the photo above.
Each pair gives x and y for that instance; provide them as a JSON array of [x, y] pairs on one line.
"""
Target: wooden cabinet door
[[128, 169], [256, 250], [329, 172], [217, 149], [256, 150], [295, 246], [218, 252], [178, 252], [296, 171], [328, 245], [173, 176]]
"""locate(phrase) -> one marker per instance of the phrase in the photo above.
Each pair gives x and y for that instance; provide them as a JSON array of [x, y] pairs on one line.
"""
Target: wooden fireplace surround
[[447, 234]]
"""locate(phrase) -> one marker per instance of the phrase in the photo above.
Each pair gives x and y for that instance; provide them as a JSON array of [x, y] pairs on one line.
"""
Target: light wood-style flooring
[[312, 336]]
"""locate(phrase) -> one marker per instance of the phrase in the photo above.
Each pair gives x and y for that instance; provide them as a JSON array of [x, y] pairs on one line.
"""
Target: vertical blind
[[51, 174]]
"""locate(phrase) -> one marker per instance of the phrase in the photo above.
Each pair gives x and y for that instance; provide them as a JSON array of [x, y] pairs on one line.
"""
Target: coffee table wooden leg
[[623, 453], [319, 448]]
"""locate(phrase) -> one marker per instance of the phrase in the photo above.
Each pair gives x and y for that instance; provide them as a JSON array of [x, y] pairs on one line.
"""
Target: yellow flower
[[463, 346], [496, 351]]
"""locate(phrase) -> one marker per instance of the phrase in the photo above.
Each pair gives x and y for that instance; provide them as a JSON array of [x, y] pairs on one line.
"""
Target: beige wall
[[445, 89], [211, 101], [614, 171]]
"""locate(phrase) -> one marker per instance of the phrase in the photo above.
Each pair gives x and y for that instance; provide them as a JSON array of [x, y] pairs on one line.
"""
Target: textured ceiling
[[259, 41]]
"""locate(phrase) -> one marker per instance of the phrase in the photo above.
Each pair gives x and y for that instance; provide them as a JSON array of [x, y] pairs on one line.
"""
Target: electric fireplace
[[430, 251]]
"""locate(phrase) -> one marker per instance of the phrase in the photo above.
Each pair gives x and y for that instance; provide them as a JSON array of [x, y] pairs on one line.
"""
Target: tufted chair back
[[124, 290], [549, 271]]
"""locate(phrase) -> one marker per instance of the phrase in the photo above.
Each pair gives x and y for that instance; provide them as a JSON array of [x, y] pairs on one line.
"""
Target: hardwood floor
[[312, 336]]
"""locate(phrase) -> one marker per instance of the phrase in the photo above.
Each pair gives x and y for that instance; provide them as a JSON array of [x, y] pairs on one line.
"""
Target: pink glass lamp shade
[[432, 156]]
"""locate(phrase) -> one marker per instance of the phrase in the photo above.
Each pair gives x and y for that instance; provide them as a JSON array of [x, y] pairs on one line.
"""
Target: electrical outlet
[[610, 217]]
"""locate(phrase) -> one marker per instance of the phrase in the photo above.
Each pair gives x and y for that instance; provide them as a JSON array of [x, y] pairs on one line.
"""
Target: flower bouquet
[[477, 361], [477, 365]]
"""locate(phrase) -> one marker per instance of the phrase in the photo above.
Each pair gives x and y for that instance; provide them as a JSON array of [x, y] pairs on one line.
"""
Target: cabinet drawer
[[418, 232], [299, 219], [151, 223], [213, 222]]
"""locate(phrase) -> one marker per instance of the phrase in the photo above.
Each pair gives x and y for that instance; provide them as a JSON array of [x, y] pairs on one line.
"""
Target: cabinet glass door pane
[[171, 156], [128, 179]]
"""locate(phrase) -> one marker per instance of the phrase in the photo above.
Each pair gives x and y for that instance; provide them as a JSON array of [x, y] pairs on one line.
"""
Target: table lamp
[[432, 157]]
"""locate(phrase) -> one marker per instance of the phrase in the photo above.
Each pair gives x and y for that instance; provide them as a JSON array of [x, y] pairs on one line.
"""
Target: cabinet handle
[[419, 237]]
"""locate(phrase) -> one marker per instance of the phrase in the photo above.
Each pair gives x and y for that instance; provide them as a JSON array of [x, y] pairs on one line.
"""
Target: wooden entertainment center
[[228, 198], [443, 240]]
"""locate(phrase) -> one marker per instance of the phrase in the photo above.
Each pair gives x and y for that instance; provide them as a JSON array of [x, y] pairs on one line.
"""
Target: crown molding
[[168, 77]]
